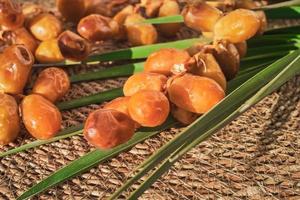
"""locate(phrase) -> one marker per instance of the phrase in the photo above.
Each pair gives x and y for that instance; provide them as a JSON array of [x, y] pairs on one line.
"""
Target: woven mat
[[257, 156]]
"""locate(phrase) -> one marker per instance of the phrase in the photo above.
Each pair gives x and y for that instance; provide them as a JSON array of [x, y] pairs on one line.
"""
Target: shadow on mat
[[280, 115]]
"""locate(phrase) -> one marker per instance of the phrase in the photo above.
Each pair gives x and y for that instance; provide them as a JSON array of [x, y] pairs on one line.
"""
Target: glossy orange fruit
[[97, 28], [195, 94], [138, 33], [169, 8], [41, 118], [144, 81], [183, 116], [120, 104], [45, 26], [165, 60], [11, 16], [52, 83], [201, 16], [105, 128], [20, 36], [15, 66], [71, 10], [49, 52], [205, 64], [73, 47], [149, 108], [9, 119], [237, 26]]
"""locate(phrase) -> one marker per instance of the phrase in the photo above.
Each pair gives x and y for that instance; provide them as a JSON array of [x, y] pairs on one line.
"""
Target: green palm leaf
[[92, 99], [68, 132], [112, 72], [288, 13], [261, 50], [165, 20], [145, 51], [285, 30]]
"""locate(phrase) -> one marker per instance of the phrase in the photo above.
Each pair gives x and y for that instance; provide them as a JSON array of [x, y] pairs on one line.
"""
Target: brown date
[[169, 8], [120, 18], [20, 36], [138, 33], [45, 26], [237, 26], [183, 116], [201, 16], [71, 10], [228, 58], [73, 47], [105, 128], [15, 65], [41, 118], [9, 119], [49, 52], [120, 104], [103, 7], [165, 60], [97, 28], [144, 81], [11, 16], [149, 108], [52, 83], [195, 94], [205, 64]]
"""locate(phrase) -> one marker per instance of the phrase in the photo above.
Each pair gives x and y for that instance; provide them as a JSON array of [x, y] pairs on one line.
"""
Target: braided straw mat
[[257, 156]]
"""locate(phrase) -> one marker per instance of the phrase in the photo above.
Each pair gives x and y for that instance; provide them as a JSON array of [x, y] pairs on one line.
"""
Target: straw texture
[[255, 157]]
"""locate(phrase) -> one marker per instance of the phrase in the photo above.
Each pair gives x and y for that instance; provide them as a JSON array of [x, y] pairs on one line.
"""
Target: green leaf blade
[[92, 99], [112, 72], [165, 20], [284, 30], [284, 4], [69, 132], [144, 51], [292, 12]]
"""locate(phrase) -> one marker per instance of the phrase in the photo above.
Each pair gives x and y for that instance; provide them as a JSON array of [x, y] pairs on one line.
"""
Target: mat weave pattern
[[257, 156]]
